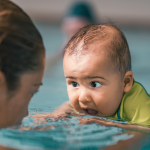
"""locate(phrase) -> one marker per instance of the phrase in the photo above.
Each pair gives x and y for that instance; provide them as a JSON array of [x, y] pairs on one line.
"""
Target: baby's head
[[97, 67]]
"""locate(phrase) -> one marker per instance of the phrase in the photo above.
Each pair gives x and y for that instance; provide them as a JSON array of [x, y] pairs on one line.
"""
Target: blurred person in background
[[22, 62], [78, 15]]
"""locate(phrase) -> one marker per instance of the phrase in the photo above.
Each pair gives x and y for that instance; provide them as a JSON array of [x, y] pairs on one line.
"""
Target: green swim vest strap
[[118, 113], [143, 88]]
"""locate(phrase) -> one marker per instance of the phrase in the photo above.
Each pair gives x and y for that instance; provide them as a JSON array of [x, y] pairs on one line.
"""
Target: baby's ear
[[128, 81]]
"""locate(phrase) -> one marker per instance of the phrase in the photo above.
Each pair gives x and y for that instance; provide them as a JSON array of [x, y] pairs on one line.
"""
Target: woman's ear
[[128, 81]]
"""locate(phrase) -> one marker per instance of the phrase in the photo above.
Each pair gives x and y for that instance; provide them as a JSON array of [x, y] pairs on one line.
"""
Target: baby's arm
[[83, 121], [60, 113], [64, 110]]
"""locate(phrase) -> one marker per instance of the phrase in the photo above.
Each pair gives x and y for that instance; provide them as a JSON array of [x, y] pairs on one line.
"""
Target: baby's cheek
[[70, 93], [101, 101], [105, 106]]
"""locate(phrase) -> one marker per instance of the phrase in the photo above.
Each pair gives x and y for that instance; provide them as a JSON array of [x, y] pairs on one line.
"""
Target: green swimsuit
[[135, 106]]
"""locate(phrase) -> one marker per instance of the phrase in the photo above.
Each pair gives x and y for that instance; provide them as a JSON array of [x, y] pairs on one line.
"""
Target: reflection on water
[[68, 134]]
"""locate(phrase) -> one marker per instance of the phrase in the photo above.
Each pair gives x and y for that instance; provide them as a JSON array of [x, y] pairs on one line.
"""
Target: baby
[[97, 68]]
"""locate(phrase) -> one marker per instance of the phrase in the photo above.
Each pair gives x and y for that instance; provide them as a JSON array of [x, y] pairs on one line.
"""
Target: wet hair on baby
[[117, 46]]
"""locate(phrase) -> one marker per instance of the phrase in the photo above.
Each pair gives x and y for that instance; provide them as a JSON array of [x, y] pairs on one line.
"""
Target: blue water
[[68, 134]]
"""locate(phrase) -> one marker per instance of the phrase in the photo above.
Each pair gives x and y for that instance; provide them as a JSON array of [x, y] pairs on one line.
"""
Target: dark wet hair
[[82, 10], [117, 46], [21, 45]]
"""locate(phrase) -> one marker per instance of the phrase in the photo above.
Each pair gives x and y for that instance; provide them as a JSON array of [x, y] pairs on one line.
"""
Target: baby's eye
[[74, 84], [95, 84]]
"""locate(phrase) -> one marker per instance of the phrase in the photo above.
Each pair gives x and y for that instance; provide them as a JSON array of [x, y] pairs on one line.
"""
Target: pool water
[[68, 134]]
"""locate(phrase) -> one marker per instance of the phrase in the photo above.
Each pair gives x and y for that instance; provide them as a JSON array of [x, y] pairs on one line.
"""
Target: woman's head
[[22, 57]]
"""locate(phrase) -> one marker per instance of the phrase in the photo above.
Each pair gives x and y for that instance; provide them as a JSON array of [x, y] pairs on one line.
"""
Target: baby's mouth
[[90, 112]]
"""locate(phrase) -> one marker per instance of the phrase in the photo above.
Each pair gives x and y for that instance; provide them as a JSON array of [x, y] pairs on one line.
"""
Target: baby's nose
[[84, 96]]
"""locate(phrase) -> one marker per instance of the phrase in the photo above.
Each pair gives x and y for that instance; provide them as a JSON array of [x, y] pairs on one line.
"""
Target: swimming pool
[[68, 134]]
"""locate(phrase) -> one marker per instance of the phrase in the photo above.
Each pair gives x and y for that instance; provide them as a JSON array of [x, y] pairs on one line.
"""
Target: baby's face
[[94, 86]]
